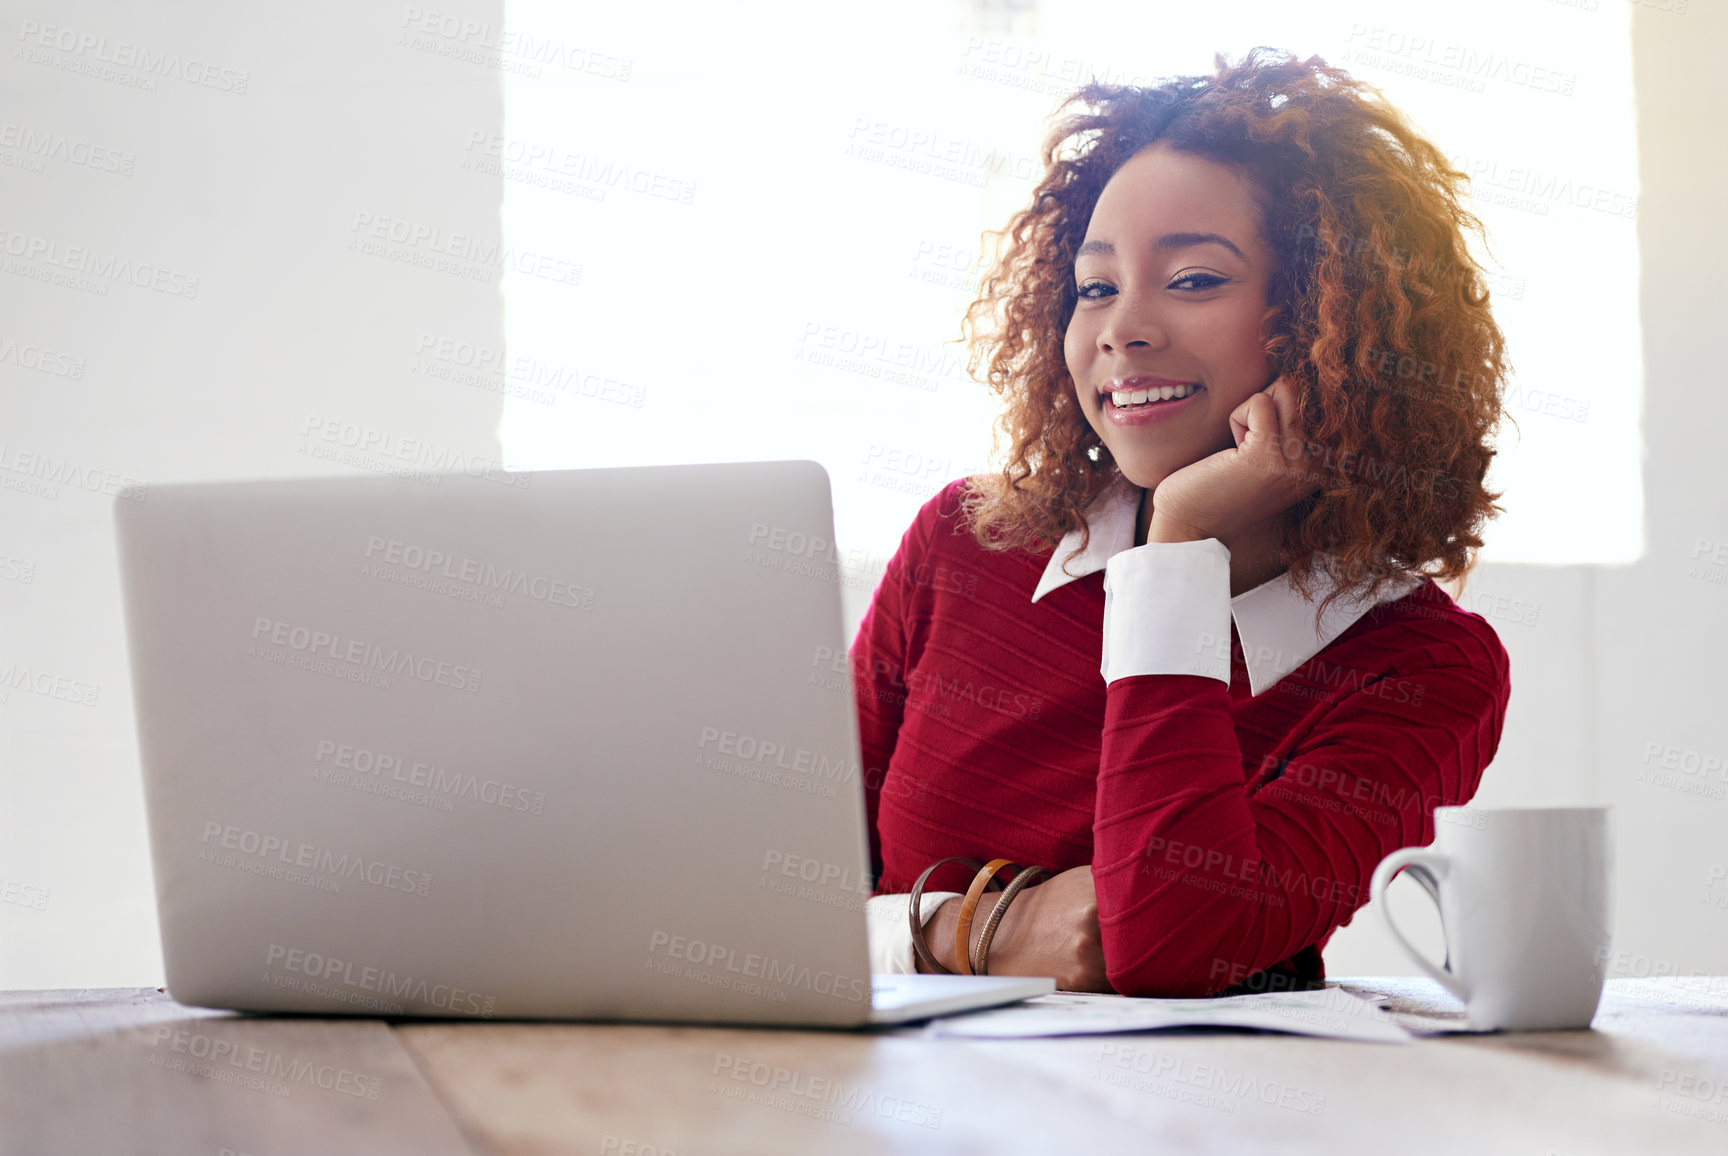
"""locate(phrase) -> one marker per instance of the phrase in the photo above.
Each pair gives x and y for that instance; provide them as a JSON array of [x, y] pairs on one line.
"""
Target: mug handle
[[1421, 861]]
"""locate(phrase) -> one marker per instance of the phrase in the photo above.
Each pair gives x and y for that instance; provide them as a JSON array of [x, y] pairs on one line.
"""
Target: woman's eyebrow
[[1164, 244]]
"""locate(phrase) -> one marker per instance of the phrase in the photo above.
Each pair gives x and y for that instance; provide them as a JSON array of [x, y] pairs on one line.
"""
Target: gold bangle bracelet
[[969, 907]]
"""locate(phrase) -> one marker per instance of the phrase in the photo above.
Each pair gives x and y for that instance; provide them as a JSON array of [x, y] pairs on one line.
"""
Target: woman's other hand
[[1050, 929]]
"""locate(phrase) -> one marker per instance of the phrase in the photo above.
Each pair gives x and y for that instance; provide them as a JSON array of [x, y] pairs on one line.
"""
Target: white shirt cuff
[[1167, 610], [890, 933]]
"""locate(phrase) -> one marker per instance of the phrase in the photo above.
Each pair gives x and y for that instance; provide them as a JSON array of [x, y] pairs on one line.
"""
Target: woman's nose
[[1132, 325]]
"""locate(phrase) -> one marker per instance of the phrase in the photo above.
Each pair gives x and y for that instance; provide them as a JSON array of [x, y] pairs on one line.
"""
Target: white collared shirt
[[1167, 610], [1167, 605]]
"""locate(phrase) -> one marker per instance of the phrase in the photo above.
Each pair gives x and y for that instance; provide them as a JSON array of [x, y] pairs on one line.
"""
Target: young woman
[[1186, 651]]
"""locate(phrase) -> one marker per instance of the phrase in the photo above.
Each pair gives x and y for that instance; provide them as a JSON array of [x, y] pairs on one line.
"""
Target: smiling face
[[1172, 278]]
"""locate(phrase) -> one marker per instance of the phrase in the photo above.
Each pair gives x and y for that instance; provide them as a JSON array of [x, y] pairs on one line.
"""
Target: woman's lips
[[1146, 382], [1149, 411]]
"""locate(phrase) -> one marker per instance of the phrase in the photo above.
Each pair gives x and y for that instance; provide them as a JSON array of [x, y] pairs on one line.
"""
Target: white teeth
[[1125, 397]]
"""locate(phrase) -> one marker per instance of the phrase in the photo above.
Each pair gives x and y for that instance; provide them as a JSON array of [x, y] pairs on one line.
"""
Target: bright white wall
[[258, 140], [1660, 624]]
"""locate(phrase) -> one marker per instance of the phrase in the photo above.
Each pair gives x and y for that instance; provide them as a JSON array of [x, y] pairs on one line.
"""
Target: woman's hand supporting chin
[[1231, 492]]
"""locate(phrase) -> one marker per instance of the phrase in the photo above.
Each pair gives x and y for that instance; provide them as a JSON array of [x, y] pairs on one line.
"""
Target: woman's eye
[[1092, 290], [1198, 281]]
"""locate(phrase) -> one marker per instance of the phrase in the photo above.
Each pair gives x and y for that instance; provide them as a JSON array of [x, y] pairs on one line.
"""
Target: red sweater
[[1229, 834]]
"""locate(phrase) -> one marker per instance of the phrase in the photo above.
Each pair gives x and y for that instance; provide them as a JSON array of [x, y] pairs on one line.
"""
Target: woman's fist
[[1050, 929]]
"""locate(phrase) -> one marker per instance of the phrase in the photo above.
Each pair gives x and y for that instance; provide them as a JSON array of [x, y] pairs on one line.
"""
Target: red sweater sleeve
[[1202, 882], [878, 660]]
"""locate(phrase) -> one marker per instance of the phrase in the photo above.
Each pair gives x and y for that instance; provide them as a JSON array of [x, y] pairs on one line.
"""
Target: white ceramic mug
[[1523, 897]]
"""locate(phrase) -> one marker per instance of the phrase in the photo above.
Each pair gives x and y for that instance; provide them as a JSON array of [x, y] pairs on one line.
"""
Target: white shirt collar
[[1273, 620]]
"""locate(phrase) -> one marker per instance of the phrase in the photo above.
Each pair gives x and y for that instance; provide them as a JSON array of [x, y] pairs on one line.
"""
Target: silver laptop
[[572, 744]]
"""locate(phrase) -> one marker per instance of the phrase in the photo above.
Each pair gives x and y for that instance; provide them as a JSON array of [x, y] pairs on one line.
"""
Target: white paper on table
[[1331, 1011]]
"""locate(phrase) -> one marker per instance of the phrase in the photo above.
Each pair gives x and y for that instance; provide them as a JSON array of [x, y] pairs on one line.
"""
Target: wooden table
[[129, 1071]]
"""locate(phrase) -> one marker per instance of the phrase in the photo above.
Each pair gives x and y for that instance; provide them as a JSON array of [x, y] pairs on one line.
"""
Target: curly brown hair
[[1377, 313]]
